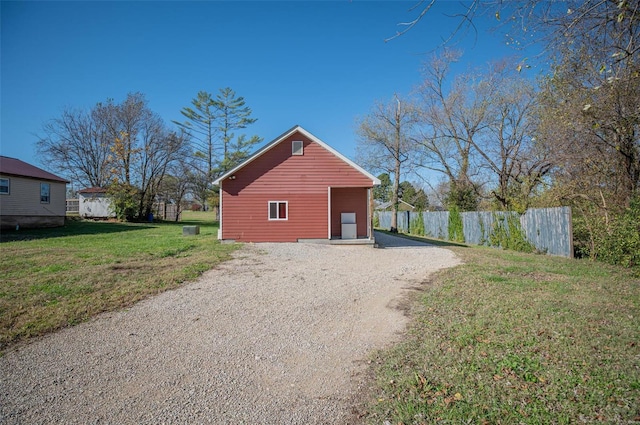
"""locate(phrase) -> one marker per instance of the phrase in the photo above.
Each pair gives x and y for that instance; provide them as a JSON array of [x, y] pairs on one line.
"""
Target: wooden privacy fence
[[166, 212], [547, 229]]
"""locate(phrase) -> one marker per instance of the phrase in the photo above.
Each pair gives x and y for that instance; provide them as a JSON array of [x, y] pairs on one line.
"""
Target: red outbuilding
[[296, 188]]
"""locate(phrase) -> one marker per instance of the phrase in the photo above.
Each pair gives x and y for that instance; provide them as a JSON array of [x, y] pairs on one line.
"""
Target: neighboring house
[[296, 188], [29, 196], [94, 202], [388, 206]]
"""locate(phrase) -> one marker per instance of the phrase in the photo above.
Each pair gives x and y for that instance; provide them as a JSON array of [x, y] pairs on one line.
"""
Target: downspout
[[220, 213], [370, 213], [329, 212]]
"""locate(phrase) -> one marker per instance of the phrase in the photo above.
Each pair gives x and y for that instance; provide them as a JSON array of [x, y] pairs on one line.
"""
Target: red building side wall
[[349, 200], [277, 175], [247, 220]]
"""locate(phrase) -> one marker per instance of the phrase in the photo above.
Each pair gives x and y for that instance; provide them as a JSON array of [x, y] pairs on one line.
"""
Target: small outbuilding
[[94, 202], [30, 197], [296, 188]]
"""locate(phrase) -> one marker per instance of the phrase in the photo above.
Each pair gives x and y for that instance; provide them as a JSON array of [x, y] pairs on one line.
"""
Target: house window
[[278, 210], [297, 148], [45, 191], [4, 186]]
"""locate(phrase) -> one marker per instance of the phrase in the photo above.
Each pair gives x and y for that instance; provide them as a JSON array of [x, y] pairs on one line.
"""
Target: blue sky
[[317, 64]]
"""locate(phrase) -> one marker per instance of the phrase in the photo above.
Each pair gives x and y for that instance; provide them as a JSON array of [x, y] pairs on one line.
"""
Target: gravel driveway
[[279, 335]]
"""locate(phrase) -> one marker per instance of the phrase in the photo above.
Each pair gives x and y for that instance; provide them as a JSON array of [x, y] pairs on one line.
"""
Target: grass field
[[511, 338], [51, 278]]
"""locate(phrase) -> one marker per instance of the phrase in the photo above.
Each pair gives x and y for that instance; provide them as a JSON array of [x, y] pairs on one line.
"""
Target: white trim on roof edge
[[288, 133]]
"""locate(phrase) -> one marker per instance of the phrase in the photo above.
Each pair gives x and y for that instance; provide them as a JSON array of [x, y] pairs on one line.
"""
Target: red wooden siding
[[349, 200], [277, 175]]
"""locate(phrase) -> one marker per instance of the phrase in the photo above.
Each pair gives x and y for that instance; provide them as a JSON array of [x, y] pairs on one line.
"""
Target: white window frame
[[8, 186], [300, 150], [278, 218], [47, 199]]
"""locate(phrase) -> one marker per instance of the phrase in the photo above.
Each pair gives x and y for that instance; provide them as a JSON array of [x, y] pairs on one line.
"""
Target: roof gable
[[15, 167], [283, 137], [93, 190], [385, 205]]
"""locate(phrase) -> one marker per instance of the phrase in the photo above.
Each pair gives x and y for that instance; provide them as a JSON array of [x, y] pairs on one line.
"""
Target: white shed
[[94, 202]]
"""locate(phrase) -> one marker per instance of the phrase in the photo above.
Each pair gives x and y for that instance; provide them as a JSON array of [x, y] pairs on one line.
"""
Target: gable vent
[[297, 147]]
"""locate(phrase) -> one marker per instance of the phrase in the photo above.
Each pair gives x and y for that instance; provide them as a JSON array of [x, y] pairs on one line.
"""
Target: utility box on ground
[[190, 230], [349, 226]]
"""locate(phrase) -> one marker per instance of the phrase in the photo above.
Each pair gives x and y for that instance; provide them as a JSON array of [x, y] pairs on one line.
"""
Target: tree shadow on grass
[[202, 223], [71, 228]]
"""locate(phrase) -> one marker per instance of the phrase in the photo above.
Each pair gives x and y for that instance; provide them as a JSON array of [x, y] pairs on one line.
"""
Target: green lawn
[[51, 278], [513, 338]]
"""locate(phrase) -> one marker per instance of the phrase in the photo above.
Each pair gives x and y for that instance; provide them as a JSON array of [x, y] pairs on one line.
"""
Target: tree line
[[129, 150], [502, 140]]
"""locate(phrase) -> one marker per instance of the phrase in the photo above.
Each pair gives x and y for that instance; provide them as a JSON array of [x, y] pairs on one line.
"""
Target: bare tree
[[451, 119], [479, 131], [125, 147], [508, 148], [593, 132], [160, 149], [589, 120], [200, 187], [593, 46], [175, 185], [591, 100], [610, 27], [385, 144], [130, 124], [77, 146]]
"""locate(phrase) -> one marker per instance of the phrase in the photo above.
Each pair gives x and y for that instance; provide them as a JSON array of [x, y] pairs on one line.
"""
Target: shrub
[[613, 239], [416, 227], [463, 197], [620, 244], [507, 233], [456, 230], [125, 200]]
